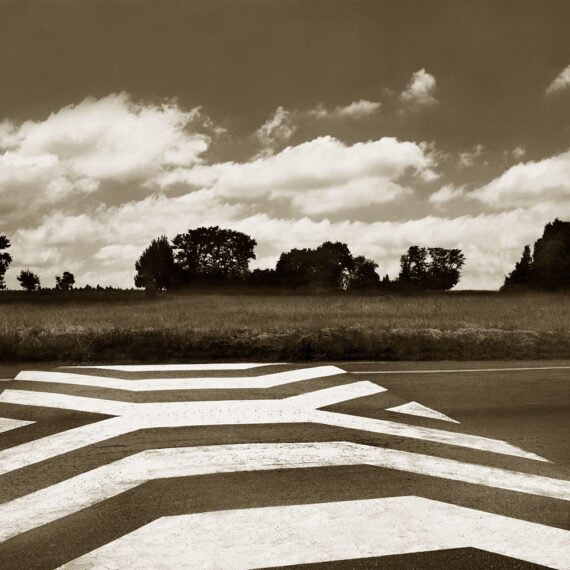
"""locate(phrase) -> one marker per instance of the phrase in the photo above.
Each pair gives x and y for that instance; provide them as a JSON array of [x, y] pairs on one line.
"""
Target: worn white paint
[[296, 409], [158, 384], [185, 367], [456, 370], [302, 534], [7, 424], [417, 409], [87, 489]]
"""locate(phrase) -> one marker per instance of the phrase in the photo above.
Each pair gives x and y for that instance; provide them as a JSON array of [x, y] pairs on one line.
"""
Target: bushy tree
[[329, 266], [263, 278], [65, 282], [28, 280], [213, 254], [548, 268], [156, 267], [434, 268], [5, 259]]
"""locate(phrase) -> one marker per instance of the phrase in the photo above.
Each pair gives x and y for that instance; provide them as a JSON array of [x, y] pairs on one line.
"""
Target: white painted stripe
[[415, 432], [323, 532], [92, 487], [51, 446], [7, 424], [64, 401], [457, 370], [170, 367], [228, 412], [157, 384], [335, 394], [417, 409]]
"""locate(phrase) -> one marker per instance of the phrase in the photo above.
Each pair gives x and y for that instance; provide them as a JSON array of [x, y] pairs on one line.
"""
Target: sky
[[381, 124]]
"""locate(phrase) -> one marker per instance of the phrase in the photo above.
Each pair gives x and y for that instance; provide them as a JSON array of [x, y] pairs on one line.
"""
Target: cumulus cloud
[[468, 158], [320, 176], [560, 83], [276, 130], [525, 184], [420, 90], [79, 147], [445, 194]]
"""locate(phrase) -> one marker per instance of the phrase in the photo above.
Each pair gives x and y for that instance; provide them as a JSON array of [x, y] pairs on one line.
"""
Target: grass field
[[127, 327]]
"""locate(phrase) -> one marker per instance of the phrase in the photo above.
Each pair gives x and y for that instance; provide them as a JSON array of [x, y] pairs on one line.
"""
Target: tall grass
[[202, 326]]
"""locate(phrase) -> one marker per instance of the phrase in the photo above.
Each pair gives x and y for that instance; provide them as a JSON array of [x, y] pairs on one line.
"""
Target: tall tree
[[522, 275], [156, 267], [413, 266], [213, 254], [363, 276], [5, 259], [65, 282], [28, 280], [549, 266]]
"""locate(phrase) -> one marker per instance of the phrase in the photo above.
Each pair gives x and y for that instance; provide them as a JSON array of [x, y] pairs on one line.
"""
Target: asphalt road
[[329, 465]]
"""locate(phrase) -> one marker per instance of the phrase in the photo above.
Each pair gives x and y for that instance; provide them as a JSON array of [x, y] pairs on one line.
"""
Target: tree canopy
[[433, 268], [156, 267], [28, 280], [5, 259], [213, 254], [65, 282], [548, 268]]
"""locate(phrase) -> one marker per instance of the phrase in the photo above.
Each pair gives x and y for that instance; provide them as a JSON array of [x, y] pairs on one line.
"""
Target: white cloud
[[518, 152], [355, 110], [560, 83], [420, 91], [529, 183], [316, 177], [445, 194], [112, 139], [276, 130], [468, 158]]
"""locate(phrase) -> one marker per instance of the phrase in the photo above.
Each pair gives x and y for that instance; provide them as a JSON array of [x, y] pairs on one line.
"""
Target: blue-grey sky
[[378, 123]]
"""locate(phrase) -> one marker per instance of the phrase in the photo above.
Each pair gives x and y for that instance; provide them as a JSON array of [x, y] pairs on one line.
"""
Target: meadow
[[124, 327]]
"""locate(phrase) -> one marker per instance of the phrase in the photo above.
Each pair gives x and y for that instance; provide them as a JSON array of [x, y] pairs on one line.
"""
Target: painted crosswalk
[[125, 448]]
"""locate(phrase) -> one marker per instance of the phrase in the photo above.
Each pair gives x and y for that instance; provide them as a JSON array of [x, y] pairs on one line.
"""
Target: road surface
[[333, 465]]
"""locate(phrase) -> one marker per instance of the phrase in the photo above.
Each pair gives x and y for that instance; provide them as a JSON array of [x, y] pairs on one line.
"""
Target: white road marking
[[323, 532], [92, 487], [66, 402], [224, 412], [417, 409], [7, 424], [170, 367], [156, 384], [457, 370]]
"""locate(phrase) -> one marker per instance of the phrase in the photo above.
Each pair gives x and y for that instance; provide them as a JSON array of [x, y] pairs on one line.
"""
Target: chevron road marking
[[7, 424], [155, 384], [181, 367], [416, 409], [87, 489], [300, 534], [296, 409]]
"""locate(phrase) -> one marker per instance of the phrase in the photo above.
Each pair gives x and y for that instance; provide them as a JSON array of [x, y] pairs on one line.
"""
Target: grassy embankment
[[125, 327]]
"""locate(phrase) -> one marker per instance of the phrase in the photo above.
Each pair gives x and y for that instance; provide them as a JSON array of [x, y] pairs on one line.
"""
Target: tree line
[[213, 256]]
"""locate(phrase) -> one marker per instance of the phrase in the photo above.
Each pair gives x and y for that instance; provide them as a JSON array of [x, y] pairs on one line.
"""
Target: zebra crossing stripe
[[181, 367], [102, 483], [156, 384], [7, 424], [323, 532], [295, 409]]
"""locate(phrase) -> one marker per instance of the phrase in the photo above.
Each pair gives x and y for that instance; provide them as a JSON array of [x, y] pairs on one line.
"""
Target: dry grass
[[461, 326]]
